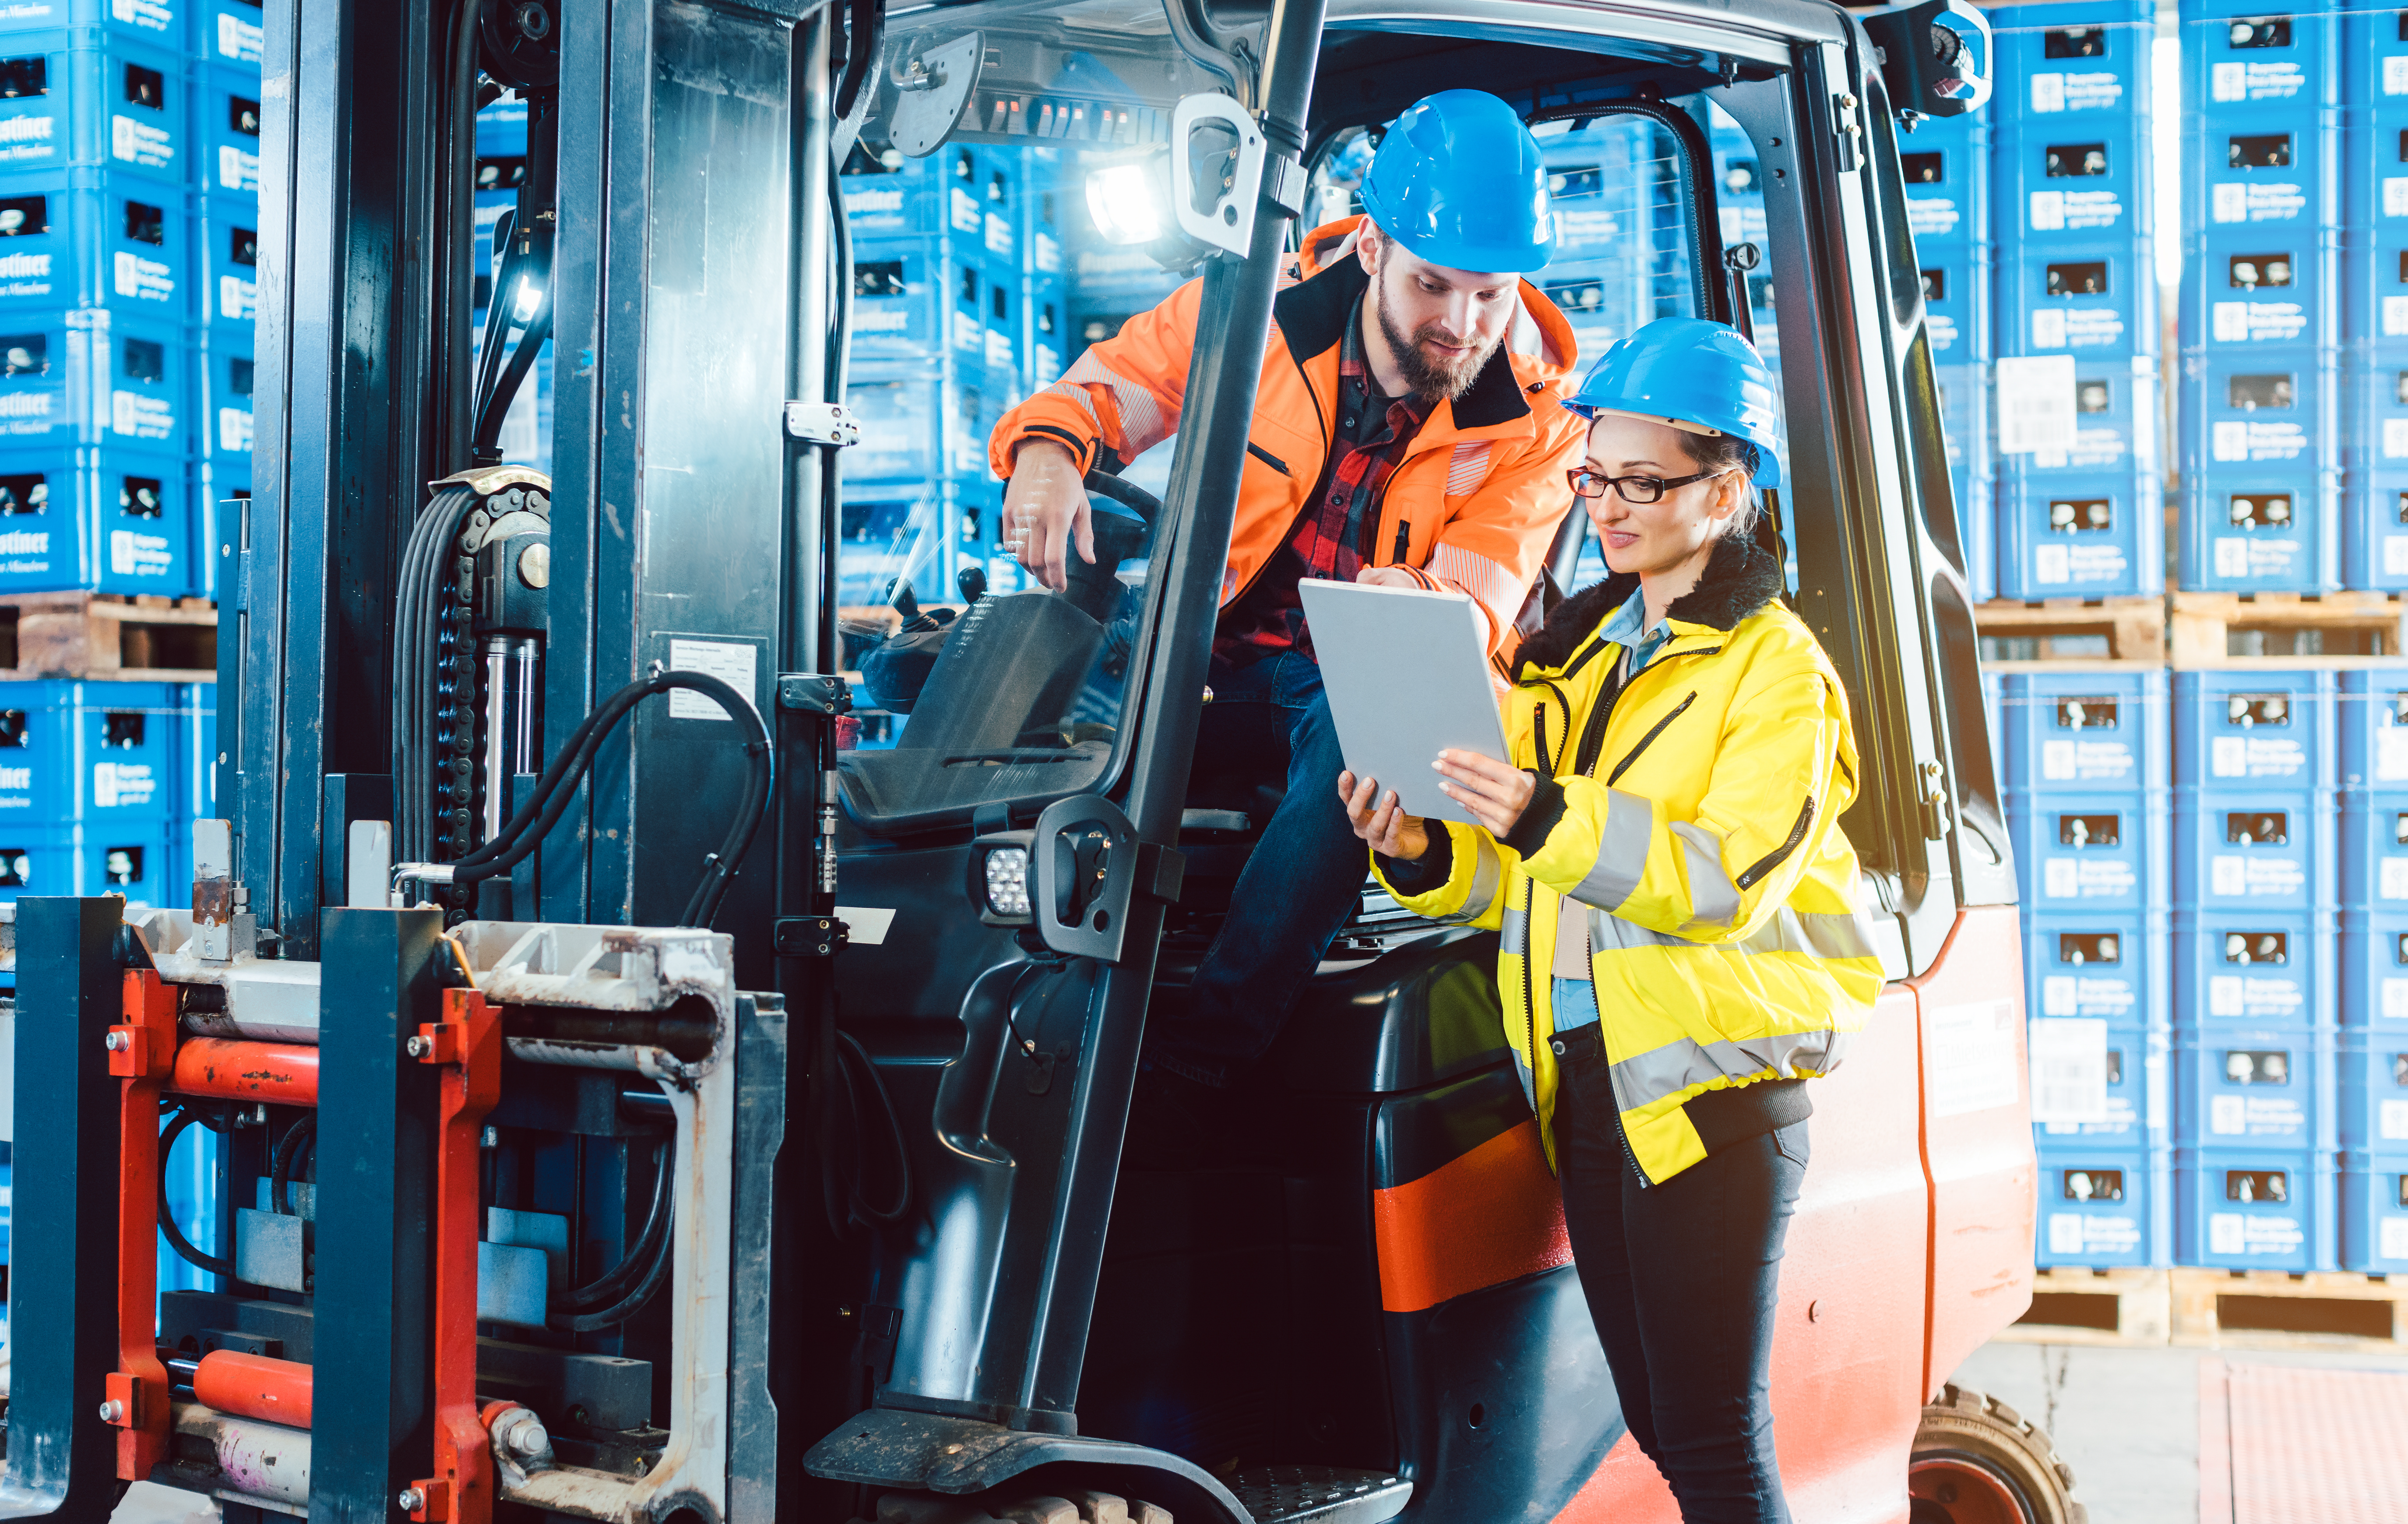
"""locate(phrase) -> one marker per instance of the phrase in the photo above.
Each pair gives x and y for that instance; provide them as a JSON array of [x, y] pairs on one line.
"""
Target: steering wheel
[[1145, 504]]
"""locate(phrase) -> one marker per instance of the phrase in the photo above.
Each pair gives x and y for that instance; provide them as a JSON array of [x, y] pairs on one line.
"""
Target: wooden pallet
[[101, 634], [2135, 627], [2366, 626], [2121, 1307], [2266, 1309]]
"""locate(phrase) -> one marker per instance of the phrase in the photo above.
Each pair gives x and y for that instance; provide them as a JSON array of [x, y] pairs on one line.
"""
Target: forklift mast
[[719, 1121]]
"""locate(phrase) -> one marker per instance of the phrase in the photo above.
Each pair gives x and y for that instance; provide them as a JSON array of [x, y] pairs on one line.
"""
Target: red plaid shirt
[[1332, 533]]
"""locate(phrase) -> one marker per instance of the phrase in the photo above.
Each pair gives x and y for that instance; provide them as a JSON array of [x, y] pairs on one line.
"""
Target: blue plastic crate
[[2374, 500], [2374, 101], [2372, 1088], [2114, 966], [99, 753], [231, 33], [2260, 531], [229, 262], [2244, 1087], [2244, 293], [2373, 955], [113, 521], [2240, 850], [2076, 729], [2374, 848], [220, 496], [1965, 426], [1956, 305], [2103, 1207], [2373, 1191], [197, 747], [87, 238], [226, 372], [1947, 165], [2254, 1209], [2084, 852], [130, 859], [2094, 303], [225, 129], [900, 298], [2079, 534], [2253, 969], [2275, 412], [2075, 86], [2137, 1064], [2256, 730], [123, 105], [157, 23], [2258, 76], [89, 376], [2116, 413]]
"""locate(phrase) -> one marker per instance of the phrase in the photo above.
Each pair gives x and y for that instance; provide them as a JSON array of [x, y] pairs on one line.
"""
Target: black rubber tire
[[1967, 1425]]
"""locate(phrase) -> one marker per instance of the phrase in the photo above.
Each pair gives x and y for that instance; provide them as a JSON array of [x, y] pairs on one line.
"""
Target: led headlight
[[1007, 882], [1127, 203]]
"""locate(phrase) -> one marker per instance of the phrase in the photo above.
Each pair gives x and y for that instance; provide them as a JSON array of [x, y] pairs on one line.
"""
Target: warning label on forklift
[[1973, 1062], [729, 661]]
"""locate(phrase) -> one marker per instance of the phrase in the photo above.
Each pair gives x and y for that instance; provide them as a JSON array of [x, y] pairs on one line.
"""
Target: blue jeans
[[1303, 879]]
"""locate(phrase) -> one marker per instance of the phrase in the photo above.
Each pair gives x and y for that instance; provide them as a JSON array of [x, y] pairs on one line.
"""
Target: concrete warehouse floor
[[2203, 1436]]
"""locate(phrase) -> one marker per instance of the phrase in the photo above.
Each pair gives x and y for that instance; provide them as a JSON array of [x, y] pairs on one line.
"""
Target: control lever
[[972, 582]]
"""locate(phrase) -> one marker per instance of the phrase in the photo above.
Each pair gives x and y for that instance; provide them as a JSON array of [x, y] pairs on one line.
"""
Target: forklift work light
[[1007, 882], [1126, 202]]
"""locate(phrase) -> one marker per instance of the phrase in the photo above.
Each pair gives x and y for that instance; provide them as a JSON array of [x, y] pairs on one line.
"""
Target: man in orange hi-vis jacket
[[1407, 431]]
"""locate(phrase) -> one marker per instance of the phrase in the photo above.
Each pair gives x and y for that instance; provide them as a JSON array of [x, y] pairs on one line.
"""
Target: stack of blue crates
[[2374, 298], [129, 181], [2257, 887], [962, 305], [1947, 162], [2088, 776], [2374, 1036], [2261, 400], [2076, 276]]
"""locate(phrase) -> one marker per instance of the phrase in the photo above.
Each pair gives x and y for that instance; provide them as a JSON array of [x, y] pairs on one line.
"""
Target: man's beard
[[1429, 378]]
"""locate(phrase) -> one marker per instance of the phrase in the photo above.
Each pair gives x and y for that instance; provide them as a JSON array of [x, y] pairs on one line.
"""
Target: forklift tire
[[1080, 1507], [1977, 1461]]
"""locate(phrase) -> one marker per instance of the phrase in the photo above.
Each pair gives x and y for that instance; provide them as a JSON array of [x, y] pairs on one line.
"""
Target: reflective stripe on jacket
[[1476, 499], [1696, 830]]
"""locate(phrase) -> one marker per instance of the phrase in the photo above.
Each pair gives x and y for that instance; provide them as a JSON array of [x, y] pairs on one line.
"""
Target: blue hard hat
[[1459, 181], [1694, 374]]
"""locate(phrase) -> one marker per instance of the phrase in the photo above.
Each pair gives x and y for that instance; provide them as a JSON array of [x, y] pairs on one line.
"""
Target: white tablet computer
[[1406, 674]]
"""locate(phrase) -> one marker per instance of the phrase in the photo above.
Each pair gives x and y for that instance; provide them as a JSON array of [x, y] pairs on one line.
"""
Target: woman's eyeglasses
[[1634, 489]]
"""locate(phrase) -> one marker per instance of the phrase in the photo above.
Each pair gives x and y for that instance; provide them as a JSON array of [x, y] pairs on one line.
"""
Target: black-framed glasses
[[1634, 489]]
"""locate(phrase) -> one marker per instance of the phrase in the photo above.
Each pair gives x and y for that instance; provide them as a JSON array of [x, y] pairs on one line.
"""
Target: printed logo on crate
[[133, 554], [2249, 1233], [2072, 212], [2274, 79], [2258, 756], [135, 141], [2264, 997], [238, 299], [150, 15], [2096, 89], [122, 784], [2084, 1233], [2062, 565], [2082, 760], [23, 546], [238, 40], [28, 136], [234, 430]]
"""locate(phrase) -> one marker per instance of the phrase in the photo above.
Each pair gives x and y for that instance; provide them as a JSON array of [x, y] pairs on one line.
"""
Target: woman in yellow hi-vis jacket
[[1682, 941]]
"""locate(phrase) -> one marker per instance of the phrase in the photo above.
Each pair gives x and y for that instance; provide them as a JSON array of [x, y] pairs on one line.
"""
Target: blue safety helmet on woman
[[1696, 375], [1459, 181]]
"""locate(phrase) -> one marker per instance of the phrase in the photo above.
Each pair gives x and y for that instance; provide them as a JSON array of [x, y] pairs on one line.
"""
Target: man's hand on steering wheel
[[1045, 513]]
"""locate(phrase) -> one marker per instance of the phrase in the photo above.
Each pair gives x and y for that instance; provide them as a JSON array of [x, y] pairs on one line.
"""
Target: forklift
[[689, 1108]]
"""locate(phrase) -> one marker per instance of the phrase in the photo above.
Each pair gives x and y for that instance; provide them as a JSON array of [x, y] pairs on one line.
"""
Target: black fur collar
[[1741, 577]]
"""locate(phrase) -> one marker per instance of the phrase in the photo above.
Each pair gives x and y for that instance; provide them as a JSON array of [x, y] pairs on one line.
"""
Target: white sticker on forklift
[[865, 926], [731, 663], [1974, 1065]]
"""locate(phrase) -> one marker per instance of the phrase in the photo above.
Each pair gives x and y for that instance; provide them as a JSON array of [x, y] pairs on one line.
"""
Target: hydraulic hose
[[613, 1282], [300, 1135], [549, 799], [176, 1239]]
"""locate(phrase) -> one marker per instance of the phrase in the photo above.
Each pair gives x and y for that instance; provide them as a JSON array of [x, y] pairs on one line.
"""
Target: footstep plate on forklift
[[1319, 1495]]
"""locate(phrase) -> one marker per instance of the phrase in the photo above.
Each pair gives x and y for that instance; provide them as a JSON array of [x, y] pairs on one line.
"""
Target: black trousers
[[1681, 1279]]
